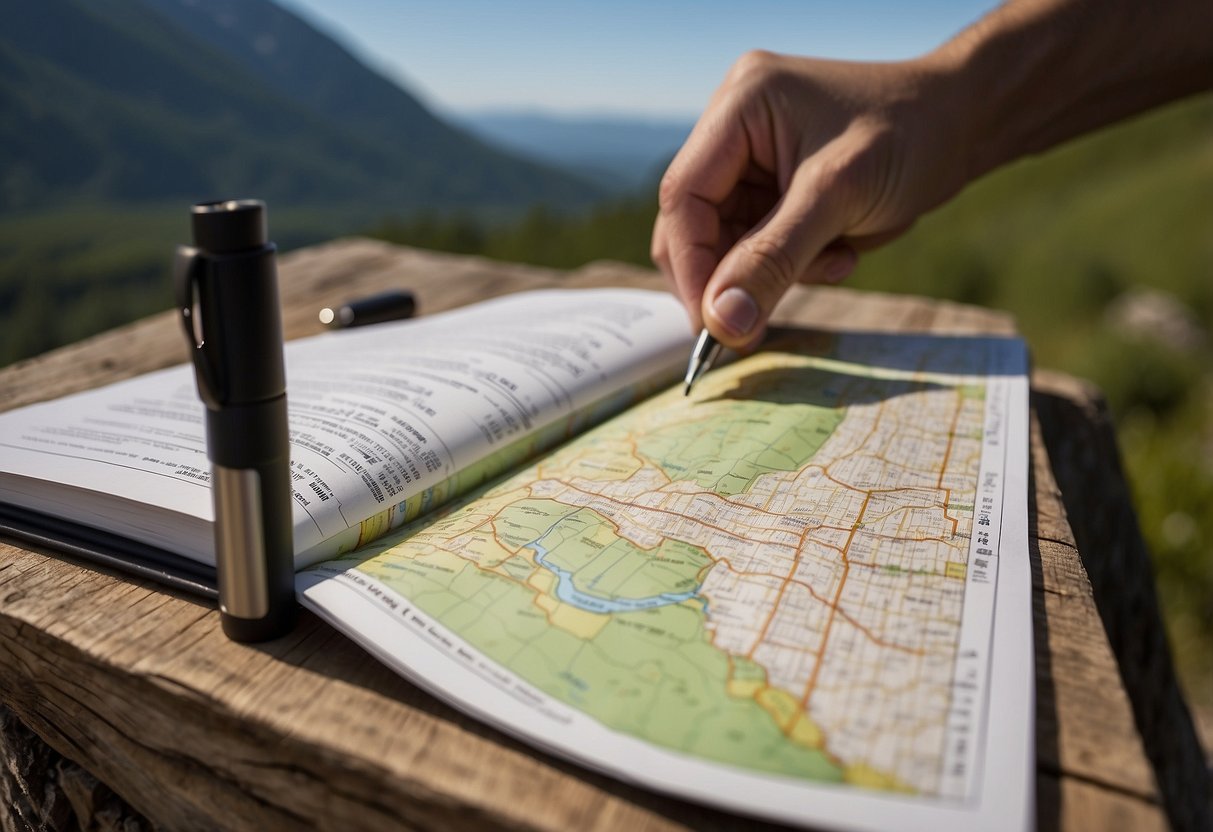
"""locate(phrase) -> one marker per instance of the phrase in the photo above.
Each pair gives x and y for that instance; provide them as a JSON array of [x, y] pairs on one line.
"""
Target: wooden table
[[137, 689]]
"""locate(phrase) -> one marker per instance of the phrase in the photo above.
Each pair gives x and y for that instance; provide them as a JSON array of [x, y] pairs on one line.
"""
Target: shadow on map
[[839, 384], [928, 353], [819, 387]]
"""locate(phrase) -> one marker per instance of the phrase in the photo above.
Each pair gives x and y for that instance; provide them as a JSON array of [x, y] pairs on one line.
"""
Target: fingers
[[684, 247], [791, 243], [687, 236]]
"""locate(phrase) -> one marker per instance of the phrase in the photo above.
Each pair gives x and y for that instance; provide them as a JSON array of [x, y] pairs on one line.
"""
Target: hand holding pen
[[798, 164], [752, 203]]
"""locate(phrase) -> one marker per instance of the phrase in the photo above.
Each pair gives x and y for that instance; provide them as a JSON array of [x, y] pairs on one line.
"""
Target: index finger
[[701, 176], [684, 246]]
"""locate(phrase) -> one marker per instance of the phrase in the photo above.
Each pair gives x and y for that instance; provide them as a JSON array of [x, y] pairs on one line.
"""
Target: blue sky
[[626, 57]]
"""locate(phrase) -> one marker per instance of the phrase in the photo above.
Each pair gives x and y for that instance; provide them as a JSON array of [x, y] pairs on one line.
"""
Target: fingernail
[[736, 310]]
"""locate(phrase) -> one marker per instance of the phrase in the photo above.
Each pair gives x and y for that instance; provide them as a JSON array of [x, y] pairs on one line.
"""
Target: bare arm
[[1039, 72]]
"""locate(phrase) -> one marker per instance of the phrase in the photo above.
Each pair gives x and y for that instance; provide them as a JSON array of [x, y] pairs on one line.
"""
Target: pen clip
[[189, 266]]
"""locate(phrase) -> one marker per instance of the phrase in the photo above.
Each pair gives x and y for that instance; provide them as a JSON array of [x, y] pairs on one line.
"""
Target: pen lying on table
[[392, 305]]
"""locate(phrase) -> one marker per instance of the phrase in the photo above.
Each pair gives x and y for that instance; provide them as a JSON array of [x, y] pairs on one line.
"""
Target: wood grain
[[140, 687]]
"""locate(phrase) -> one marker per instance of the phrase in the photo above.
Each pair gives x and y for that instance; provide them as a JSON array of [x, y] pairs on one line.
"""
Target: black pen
[[392, 305], [227, 292], [707, 350]]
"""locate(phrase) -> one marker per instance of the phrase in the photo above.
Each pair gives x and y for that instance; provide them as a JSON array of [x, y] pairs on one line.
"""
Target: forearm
[[1034, 73]]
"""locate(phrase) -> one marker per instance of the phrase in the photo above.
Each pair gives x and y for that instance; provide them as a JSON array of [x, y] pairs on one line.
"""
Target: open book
[[801, 593]]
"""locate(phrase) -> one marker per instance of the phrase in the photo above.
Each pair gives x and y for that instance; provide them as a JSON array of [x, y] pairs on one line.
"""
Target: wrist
[[978, 96], [952, 147]]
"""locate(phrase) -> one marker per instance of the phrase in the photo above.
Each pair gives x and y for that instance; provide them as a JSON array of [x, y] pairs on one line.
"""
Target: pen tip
[[687, 390]]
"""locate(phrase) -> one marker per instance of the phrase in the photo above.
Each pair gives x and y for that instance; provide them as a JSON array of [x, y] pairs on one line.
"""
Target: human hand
[[797, 165]]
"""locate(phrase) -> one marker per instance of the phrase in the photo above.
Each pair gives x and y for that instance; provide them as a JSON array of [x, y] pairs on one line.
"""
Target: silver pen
[[707, 350]]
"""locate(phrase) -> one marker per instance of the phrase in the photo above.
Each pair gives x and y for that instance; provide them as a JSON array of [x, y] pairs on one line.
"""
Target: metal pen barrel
[[250, 468]]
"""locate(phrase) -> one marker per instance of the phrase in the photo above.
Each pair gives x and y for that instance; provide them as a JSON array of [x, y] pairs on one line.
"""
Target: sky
[[658, 60]]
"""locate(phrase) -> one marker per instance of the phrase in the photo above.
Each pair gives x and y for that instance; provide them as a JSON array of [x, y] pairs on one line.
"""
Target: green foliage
[[618, 230], [69, 273]]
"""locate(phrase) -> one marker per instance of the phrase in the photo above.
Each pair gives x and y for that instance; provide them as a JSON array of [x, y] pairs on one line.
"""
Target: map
[[790, 573]]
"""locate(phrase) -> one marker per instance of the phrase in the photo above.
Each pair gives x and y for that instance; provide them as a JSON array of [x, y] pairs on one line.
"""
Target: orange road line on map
[[699, 493], [836, 606], [889, 490], [783, 586], [946, 456], [842, 582], [723, 531], [951, 436], [862, 628], [826, 472], [955, 521], [634, 453], [498, 571]]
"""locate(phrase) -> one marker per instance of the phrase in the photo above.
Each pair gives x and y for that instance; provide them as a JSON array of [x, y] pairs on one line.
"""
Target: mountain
[[618, 153], [123, 100]]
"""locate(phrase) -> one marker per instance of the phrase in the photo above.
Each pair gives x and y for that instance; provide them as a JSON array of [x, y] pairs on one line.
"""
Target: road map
[[777, 595]]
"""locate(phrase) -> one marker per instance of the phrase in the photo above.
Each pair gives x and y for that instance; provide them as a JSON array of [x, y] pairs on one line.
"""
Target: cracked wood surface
[[139, 687]]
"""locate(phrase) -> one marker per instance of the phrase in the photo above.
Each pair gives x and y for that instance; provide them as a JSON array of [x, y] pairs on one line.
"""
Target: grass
[[73, 271]]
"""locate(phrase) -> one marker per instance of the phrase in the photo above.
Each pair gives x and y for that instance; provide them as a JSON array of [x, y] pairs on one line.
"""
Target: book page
[[802, 593], [386, 421]]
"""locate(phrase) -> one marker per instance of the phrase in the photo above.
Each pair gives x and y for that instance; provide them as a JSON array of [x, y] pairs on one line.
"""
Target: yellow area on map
[[745, 688], [862, 775], [582, 624], [806, 732]]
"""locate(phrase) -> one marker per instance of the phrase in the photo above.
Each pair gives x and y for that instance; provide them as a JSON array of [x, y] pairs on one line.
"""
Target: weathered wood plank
[[1076, 430], [140, 687]]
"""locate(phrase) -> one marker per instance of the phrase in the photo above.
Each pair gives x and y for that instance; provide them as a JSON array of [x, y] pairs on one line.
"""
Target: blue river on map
[[567, 592]]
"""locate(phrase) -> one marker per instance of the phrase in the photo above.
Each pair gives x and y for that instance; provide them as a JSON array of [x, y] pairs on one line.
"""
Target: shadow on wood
[[1048, 787]]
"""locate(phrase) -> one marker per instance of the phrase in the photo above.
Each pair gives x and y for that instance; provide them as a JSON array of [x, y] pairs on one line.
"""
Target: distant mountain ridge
[[621, 153], [127, 100]]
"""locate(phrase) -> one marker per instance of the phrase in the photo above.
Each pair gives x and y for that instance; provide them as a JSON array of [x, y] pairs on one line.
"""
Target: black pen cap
[[232, 289], [229, 226]]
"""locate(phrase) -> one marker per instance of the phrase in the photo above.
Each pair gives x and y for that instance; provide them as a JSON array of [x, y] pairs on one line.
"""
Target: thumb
[[762, 266]]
